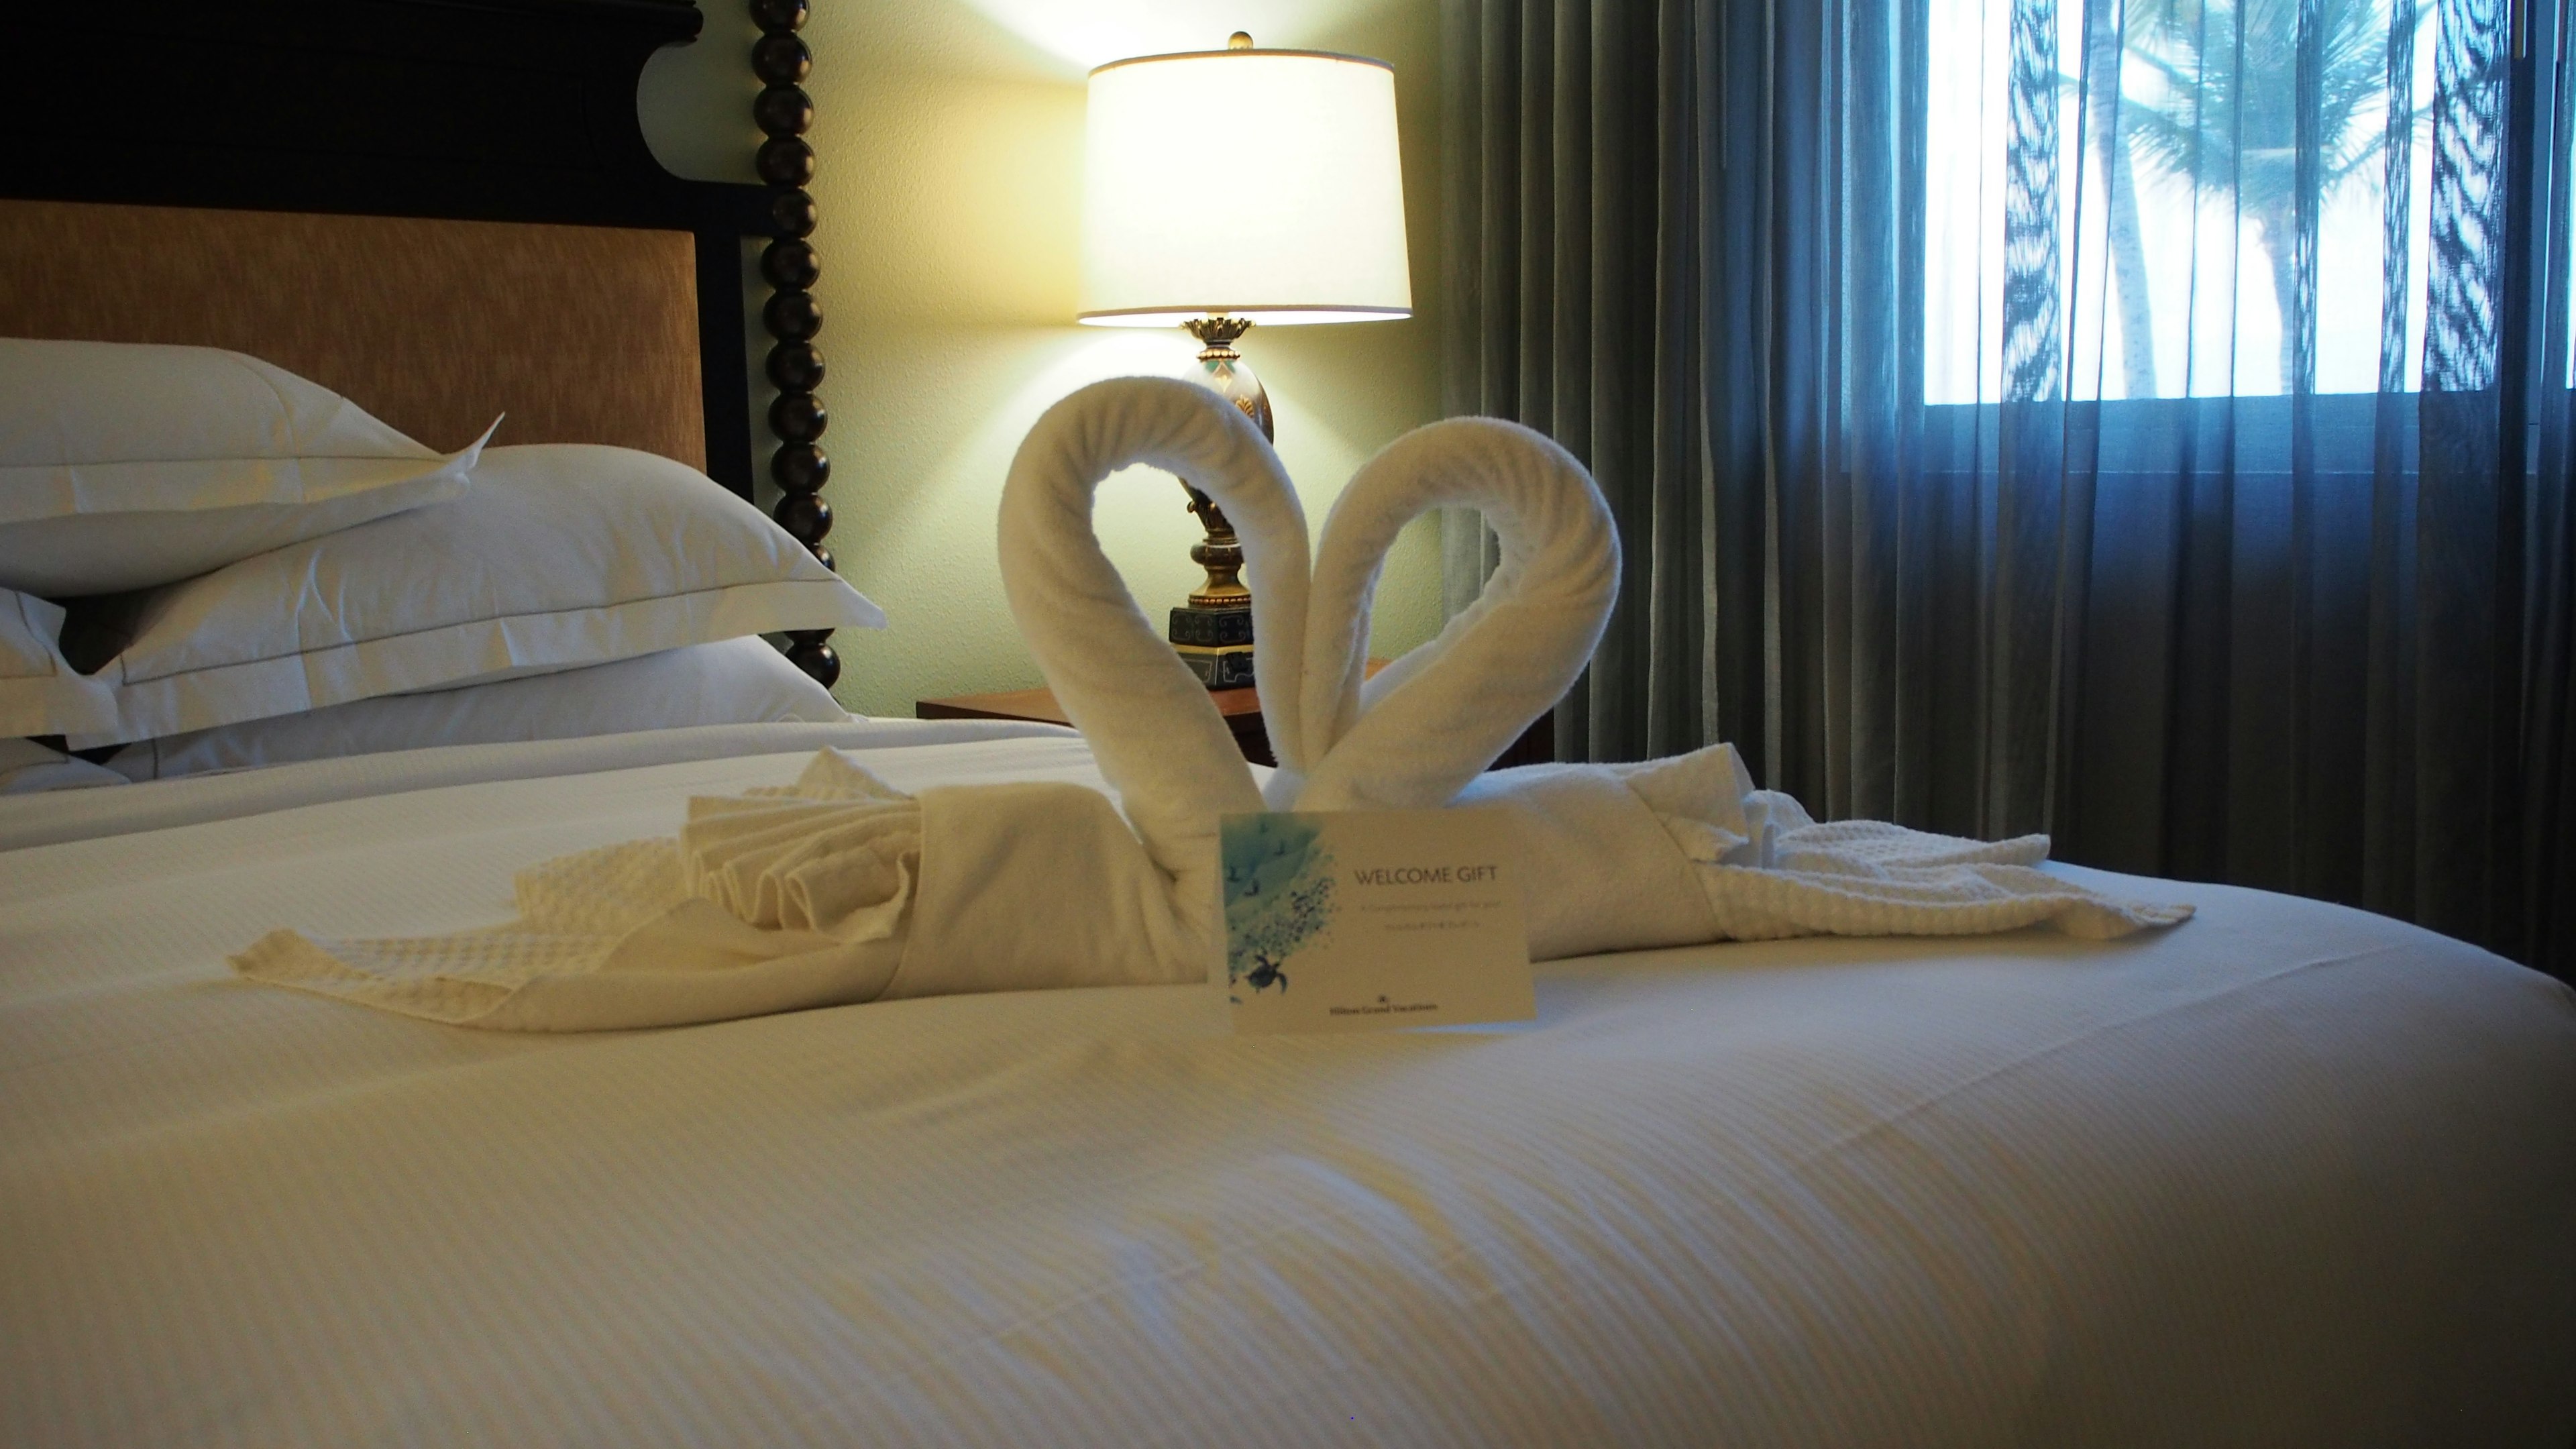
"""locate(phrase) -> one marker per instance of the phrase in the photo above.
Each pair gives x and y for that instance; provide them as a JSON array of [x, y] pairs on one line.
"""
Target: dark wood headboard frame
[[482, 110]]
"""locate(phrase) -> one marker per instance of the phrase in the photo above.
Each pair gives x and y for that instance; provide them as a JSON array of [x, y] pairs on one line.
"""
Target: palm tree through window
[[2168, 198]]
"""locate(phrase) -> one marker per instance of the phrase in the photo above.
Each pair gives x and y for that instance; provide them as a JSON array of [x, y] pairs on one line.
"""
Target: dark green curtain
[[2309, 641]]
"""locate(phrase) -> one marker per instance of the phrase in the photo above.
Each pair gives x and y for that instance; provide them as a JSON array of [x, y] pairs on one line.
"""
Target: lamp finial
[[1240, 40]]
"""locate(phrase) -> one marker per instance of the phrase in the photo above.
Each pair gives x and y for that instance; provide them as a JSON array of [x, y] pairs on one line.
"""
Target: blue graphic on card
[[1278, 898]]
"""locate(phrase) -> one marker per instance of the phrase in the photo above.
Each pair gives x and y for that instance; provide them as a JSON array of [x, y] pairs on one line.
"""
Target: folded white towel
[[835, 889], [840, 889]]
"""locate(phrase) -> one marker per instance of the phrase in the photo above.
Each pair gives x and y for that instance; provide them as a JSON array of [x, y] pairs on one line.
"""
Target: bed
[[2291, 1174]]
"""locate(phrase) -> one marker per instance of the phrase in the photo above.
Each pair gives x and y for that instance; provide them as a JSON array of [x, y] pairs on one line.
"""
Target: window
[[2114, 193]]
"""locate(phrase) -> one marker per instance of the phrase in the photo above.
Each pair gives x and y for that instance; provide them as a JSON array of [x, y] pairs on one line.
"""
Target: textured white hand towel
[[1676, 851]]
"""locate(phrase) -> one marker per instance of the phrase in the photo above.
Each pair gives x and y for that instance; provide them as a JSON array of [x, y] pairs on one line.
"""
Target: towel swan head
[[1410, 738], [1413, 736], [1159, 741]]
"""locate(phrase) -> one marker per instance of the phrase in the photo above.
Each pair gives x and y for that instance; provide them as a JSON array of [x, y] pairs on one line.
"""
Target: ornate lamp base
[[1215, 643], [1213, 634]]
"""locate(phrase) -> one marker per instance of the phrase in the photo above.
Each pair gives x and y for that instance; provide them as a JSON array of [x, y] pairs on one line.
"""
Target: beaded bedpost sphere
[[784, 113], [781, 59], [790, 262], [785, 161], [783, 110], [800, 468], [796, 417], [792, 316], [792, 212]]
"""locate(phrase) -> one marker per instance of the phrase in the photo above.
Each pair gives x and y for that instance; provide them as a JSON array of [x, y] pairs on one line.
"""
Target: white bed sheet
[[86, 814], [2289, 1174]]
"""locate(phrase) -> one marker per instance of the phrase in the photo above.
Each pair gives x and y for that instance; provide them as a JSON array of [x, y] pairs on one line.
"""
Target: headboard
[[442, 208], [403, 314]]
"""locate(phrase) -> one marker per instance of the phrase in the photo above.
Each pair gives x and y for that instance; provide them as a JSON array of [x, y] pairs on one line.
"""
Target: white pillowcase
[[39, 693], [561, 554], [124, 465], [737, 681]]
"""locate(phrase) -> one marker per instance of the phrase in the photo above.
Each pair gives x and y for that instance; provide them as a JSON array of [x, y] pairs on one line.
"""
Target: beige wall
[[950, 182]]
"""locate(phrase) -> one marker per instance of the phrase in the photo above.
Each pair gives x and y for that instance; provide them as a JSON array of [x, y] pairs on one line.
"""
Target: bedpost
[[791, 315]]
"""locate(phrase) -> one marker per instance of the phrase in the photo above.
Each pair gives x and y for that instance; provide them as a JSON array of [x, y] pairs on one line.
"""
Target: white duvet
[[2292, 1175]]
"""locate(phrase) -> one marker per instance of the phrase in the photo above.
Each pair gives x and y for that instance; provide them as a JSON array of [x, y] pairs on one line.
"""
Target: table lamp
[[1227, 188]]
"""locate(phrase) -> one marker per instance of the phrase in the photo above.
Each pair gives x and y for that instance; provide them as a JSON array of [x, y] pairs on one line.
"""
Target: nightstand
[[1240, 707]]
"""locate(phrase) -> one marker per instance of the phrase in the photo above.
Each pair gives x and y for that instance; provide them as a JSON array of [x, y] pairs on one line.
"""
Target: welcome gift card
[[1372, 919]]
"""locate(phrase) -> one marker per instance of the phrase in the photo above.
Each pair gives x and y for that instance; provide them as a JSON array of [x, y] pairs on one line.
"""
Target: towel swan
[[1619, 857], [839, 889], [1416, 734]]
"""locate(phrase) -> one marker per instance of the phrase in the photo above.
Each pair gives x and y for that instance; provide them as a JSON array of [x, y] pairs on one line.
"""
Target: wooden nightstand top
[[1240, 707], [1039, 705]]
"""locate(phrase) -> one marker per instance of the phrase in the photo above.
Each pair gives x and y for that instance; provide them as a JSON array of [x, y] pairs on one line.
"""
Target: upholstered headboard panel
[[582, 334]]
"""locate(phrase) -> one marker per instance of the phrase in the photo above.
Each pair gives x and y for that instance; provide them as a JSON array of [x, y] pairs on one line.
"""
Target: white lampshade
[[1260, 183]]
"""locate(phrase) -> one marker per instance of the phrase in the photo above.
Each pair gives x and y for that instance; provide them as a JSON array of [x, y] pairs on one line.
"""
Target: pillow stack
[[207, 553]]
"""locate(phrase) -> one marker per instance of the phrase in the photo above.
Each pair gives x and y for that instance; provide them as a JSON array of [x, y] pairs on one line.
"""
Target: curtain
[[2144, 421]]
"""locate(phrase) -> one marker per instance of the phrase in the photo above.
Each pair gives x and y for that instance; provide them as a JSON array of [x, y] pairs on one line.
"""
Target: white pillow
[[561, 554], [40, 694], [125, 464], [736, 681]]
